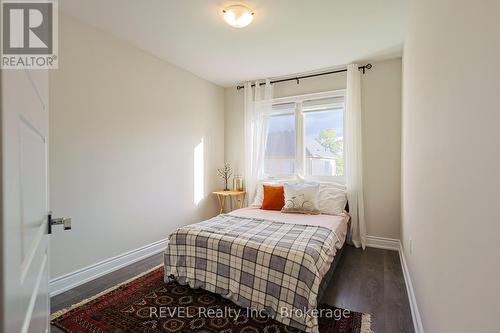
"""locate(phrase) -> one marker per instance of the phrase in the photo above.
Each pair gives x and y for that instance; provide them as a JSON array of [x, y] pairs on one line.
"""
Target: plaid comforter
[[258, 264]]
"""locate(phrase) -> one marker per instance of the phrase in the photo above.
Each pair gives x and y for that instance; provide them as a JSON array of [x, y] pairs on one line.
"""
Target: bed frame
[[328, 276]]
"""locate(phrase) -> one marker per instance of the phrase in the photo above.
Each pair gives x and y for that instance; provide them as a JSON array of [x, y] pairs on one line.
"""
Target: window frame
[[300, 149]]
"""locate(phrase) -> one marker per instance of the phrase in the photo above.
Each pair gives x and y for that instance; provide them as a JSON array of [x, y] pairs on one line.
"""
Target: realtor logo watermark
[[29, 34]]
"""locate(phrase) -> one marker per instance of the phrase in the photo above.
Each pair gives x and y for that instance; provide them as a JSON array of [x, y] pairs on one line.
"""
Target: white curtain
[[258, 102], [354, 156]]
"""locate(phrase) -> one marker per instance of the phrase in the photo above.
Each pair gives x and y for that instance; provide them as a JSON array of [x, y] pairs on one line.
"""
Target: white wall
[[381, 97], [123, 129], [450, 163]]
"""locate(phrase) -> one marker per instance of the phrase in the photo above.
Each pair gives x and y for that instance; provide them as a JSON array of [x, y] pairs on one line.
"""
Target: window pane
[[279, 155], [324, 142], [323, 104]]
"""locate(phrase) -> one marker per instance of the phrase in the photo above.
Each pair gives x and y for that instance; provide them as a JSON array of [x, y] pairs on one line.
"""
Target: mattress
[[336, 223]]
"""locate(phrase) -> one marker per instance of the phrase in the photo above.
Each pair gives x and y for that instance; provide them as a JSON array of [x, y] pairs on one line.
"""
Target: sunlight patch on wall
[[199, 172]]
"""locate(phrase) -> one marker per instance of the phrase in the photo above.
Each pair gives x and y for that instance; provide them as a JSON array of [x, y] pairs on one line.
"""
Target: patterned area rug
[[147, 304]]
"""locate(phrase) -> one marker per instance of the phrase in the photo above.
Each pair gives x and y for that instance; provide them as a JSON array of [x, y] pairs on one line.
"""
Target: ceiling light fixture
[[238, 16]]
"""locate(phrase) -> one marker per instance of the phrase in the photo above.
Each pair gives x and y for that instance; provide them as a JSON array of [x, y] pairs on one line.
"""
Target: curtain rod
[[297, 78]]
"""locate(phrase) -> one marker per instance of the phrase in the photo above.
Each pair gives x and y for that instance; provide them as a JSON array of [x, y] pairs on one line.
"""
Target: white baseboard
[[383, 243], [395, 244], [81, 276], [415, 314]]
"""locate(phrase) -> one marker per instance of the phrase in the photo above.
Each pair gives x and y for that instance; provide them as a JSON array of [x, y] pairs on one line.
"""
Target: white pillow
[[332, 198], [301, 198]]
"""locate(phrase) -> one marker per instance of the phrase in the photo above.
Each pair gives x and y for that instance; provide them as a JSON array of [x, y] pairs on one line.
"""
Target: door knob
[[65, 221]]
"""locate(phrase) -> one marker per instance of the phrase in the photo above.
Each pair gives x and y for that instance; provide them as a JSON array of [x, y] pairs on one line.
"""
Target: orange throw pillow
[[274, 197]]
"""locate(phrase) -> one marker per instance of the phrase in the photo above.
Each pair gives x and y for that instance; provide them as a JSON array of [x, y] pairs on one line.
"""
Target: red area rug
[[147, 304]]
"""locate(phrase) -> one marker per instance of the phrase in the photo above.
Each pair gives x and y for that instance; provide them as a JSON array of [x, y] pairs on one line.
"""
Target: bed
[[265, 260]]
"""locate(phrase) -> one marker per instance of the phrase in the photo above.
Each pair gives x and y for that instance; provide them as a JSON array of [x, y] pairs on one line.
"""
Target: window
[[305, 137], [324, 138], [280, 148]]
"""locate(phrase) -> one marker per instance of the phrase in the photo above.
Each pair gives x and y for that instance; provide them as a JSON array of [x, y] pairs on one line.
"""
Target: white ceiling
[[286, 36]]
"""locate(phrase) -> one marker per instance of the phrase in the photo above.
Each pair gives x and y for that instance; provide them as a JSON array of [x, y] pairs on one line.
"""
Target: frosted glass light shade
[[238, 16]]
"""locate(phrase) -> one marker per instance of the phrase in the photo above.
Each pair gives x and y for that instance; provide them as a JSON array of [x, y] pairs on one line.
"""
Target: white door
[[25, 118]]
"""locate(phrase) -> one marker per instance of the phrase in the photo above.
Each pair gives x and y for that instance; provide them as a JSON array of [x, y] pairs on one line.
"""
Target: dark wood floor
[[369, 281], [372, 281]]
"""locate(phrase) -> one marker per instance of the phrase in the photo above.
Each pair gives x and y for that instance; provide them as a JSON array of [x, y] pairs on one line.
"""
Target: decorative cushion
[[259, 193], [301, 198], [274, 197], [259, 190]]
